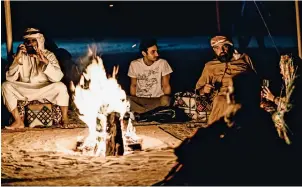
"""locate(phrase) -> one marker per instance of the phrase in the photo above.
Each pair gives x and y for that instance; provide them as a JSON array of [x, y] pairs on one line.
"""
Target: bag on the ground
[[195, 106], [39, 115], [163, 114]]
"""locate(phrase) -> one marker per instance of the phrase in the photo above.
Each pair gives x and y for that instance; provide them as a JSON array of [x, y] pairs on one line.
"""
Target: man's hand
[[266, 93], [207, 88], [21, 49], [40, 56]]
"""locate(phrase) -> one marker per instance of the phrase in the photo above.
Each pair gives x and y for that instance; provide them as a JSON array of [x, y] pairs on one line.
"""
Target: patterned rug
[[177, 130], [75, 120], [181, 131]]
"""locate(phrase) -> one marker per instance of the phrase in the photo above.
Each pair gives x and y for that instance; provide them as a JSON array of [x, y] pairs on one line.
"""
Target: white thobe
[[29, 79]]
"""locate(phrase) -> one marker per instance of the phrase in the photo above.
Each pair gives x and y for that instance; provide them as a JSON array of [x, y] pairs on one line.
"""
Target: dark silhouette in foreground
[[242, 148]]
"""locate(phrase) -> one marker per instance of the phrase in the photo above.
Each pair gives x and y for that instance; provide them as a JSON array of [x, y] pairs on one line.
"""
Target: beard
[[30, 50], [155, 59], [225, 57]]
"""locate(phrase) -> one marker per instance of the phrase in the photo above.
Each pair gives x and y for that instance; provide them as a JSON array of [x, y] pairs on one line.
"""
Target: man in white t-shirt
[[150, 79]]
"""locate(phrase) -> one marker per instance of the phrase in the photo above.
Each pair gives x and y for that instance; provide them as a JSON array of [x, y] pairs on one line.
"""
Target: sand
[[45, 157]]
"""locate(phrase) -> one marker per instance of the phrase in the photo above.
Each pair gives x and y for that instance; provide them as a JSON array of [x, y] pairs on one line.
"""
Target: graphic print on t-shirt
[[147, 82]]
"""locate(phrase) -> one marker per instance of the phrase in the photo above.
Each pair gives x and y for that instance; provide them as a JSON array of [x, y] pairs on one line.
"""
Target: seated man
[[150, 79], [34, 74], [218, 73]]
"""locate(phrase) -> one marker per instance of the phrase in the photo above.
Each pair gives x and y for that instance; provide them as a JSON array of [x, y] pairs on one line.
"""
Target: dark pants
[[142, 104]]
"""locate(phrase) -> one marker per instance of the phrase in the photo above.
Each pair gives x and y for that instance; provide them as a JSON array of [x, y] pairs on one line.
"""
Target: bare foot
[[16, 125], [66, 124]]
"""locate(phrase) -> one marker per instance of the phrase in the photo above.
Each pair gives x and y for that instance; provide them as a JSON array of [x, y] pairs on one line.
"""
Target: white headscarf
[[35, 33]]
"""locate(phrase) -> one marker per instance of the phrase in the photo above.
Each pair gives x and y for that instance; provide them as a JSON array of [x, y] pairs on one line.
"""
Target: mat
[[181, 131]]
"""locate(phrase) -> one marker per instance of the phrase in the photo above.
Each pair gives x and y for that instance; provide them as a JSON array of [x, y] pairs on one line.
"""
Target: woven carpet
[[178, 130], [181, 131], [75, 120]]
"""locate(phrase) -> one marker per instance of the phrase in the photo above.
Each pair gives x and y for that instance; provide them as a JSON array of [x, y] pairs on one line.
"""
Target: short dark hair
[[146, 43]]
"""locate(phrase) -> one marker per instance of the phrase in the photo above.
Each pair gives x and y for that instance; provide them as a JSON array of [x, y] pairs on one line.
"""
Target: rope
[[269, 33]]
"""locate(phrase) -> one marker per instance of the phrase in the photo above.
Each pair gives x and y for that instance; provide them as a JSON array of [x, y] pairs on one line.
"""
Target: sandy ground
[[38, 157]]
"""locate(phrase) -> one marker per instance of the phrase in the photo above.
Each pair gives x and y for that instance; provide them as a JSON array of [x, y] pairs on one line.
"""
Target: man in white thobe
[[35, 74]]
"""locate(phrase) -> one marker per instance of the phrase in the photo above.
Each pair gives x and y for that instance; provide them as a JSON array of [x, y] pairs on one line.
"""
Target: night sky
[[96, 20]]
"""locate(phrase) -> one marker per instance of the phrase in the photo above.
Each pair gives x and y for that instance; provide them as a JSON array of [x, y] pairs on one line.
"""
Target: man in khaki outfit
[[217, 74]]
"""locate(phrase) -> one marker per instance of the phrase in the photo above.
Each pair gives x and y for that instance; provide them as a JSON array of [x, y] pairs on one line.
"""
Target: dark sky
[[95, 19]]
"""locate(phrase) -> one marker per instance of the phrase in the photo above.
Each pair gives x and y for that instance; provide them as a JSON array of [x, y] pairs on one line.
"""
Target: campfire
[[102, 105]]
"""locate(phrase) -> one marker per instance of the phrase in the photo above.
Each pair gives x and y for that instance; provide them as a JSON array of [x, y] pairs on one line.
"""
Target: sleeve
[[52, 70], [280, 102], [250, 63], [166, 68], [131, 70], [204, 78], [13, 72]]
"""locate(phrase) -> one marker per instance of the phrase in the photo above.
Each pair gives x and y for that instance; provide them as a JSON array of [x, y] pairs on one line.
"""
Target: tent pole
[[298, 28], [218, 16], [8, 23]]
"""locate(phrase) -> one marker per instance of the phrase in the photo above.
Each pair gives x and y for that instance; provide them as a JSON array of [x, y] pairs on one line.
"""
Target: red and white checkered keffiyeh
[[220, 40]]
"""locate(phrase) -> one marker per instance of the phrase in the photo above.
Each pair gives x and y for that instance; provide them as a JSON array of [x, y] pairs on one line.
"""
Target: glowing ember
[[97, 98]]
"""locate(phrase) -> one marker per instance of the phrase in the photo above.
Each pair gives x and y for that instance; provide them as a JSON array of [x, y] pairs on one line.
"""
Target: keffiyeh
[[220, 40], [35, 33]]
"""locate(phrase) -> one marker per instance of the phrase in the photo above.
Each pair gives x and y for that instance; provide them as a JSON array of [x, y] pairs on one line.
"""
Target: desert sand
[[42, 157]]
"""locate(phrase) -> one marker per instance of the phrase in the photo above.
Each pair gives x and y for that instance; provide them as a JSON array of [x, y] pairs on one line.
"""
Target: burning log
[[131, 141], [120, 138], [114, 144]]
